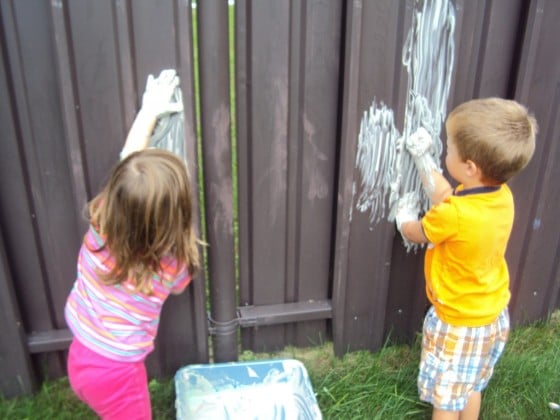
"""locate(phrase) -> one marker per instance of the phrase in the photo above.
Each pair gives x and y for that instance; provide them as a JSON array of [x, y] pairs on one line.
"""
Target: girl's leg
[[114, 390]]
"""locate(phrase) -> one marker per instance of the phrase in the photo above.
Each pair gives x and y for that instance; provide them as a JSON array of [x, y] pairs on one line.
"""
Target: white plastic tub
[[267, 390]]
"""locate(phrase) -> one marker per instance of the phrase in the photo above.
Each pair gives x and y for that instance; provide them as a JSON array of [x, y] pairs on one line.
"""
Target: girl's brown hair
[[143, 213], [496, 134]]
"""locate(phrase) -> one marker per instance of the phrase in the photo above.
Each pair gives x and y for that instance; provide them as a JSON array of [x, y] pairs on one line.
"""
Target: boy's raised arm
[[435, 184]]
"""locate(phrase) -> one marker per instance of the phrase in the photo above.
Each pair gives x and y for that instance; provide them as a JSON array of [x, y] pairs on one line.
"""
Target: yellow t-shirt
[[467, 278]]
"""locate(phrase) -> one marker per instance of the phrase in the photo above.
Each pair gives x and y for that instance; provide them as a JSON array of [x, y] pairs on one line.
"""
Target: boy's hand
[[158, 96], [419, 143], [408, 210]]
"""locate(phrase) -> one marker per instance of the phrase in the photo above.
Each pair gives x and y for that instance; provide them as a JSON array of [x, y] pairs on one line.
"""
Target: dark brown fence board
[[500, 43], [16, 373], [40, 139], [69, 108], [267, 89], [289, 67], [154, 38], [123, 29], [94, 60], [535, 246], [526, 183], [313, 124], [405, 301], [28, 36], [470, 19], [196, 309], [17, 216], [243, 104], [295, 155], [369, 258], [344, 203]]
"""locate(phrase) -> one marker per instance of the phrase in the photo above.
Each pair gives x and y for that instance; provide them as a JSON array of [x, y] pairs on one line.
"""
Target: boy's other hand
[[408, 209]]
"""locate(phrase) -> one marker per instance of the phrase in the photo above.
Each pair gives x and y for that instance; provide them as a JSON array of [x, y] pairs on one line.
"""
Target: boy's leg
[[472, 409], [438, 414], [470, 412], [441, 340]]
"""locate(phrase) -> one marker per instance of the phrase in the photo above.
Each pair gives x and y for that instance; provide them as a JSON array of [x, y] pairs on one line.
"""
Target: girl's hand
[[157, 100]]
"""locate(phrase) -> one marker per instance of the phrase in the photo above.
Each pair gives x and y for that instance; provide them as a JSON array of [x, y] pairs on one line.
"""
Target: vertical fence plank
[[313, 127], [294, 154], [349, 132], [535, 245], [406, 300], [185, 60], [95, 60], [17, 214], [263, 171], [122, 22], [243, 104], [216, 122], [70, 108], [36, 108], [287, 62], [16, 372], [16, 375], [501, 44], [365, 257]]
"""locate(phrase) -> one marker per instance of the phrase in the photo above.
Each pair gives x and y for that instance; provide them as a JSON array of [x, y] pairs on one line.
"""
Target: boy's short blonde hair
[[498, 135]]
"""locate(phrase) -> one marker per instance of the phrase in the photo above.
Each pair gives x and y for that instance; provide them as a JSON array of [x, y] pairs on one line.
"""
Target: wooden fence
[[292, 260]]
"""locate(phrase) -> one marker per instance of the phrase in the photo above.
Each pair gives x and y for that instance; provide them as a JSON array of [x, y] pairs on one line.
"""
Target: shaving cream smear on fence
[[386, 170]]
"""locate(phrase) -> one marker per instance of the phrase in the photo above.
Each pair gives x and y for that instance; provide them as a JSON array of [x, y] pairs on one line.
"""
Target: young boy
[[468, 228]]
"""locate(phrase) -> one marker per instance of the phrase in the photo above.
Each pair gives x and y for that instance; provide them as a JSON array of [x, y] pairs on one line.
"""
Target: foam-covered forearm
[[419, 146]]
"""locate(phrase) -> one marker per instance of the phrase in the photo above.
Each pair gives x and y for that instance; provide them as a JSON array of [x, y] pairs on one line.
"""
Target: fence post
[[348, 135], [16, 375], [216, 145]]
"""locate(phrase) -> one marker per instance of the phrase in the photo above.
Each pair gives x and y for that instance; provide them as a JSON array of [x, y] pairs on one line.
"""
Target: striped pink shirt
[[115, 320]]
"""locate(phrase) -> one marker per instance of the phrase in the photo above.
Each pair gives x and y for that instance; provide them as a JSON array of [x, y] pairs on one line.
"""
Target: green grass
[[364, 385]]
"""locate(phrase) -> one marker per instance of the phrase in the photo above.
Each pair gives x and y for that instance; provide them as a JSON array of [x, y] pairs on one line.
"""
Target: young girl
[[140, 247]]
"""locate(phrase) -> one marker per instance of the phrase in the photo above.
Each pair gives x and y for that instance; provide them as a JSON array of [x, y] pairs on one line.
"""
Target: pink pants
[[114, 390]]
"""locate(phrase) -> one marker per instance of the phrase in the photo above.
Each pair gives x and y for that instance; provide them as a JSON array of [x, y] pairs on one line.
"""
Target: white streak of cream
[[385, 168], [169, 132], [375, 159], [428, 58]]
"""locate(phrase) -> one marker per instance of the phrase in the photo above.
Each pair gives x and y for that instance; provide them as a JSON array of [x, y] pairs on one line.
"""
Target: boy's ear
[[473, 170]]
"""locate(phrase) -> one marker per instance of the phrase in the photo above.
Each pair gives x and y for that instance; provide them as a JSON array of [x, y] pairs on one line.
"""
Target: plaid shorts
[[458, 360]]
